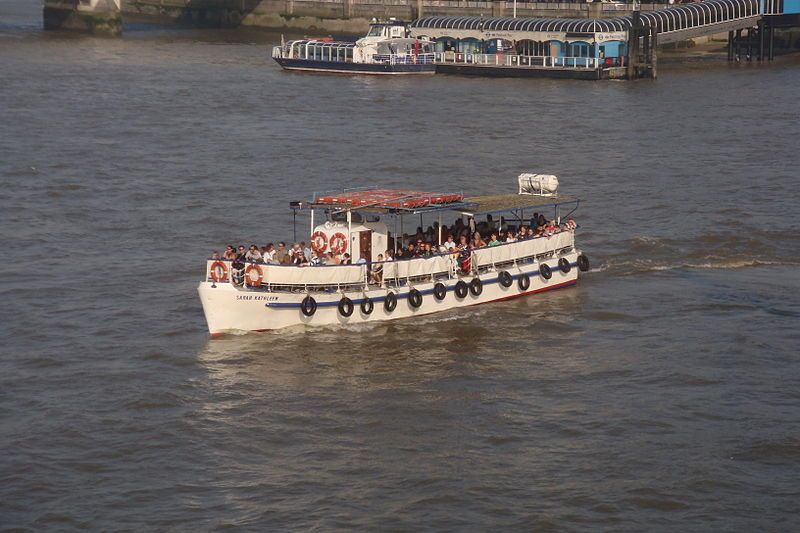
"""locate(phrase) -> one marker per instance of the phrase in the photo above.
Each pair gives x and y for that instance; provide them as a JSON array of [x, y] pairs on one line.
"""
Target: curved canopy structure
[[671, 19], [524, 24]]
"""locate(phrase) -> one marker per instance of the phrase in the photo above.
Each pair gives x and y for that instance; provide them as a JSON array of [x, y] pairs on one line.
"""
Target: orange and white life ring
[[319, 242], [338, 243], [260, 275], [215, 266]]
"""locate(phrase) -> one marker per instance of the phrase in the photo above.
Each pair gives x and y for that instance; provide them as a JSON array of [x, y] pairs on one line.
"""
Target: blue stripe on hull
[[404, 295], [355, 68]]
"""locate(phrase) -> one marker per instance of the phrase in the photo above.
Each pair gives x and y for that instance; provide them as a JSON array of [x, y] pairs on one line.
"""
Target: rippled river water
[[660, 393]]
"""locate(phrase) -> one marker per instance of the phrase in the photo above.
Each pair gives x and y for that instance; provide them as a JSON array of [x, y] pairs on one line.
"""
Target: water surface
[[660, 393]]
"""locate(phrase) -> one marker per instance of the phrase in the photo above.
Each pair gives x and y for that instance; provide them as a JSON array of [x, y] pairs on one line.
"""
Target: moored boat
[[386, 49], [240, 295]]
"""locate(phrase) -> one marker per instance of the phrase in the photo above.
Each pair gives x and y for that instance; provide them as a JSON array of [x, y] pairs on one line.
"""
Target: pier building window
[[446, 44], [469, 46], [580, 49], [527, 47]]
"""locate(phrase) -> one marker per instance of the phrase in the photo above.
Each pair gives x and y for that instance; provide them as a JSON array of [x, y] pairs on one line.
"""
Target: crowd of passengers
[[460, 238]]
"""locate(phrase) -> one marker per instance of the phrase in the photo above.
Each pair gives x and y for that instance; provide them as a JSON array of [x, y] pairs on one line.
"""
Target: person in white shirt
[[450, 244], [268, 255], [253, 254]]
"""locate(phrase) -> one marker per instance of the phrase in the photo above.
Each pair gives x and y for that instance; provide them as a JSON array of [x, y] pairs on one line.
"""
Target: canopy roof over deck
[[512, 202], [406, 201], [389, 200]]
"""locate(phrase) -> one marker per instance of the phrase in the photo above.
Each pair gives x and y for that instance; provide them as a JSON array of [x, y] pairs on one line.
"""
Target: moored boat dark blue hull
[[498, 71], [341, 67]]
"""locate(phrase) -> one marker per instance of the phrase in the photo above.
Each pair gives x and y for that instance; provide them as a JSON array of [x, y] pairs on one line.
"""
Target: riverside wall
[[351, 16]]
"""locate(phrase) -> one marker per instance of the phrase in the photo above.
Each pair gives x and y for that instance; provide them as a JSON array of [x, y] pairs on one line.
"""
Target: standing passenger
[[306, 250]]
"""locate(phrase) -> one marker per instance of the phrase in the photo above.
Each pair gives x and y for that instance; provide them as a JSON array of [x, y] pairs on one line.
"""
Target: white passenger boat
[[253, 296], [386, 49]]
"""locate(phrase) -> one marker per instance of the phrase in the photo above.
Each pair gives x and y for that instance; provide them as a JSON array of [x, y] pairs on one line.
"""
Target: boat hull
[[231, 309], [501, 71], [340, 67]]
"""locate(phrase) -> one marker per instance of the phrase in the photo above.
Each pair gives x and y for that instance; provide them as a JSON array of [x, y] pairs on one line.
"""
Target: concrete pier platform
[[98, 17]]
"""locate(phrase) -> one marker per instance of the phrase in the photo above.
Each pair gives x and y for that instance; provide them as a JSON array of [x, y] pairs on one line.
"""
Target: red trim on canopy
[[390, 198]]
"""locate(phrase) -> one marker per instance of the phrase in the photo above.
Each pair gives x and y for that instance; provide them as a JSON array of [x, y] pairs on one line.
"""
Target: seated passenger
[[230, 252], [214, 256], [332, 259], [377, 271], [316, 260], [493, 240], [362, 260], [389, 256], [268, 255], [450, 244], [298, 257], [531, 233], [253, 254], [280, 253], [411, 251], [511, 237], [477, 241], [241, 254], [427, 250], [571, 224]]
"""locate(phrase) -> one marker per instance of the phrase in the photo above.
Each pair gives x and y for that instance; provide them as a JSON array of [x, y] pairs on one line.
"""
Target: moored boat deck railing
[[513, 60], [404, 59]]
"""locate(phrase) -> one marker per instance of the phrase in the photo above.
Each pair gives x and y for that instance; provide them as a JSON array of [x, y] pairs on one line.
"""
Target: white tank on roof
[[543, 184]]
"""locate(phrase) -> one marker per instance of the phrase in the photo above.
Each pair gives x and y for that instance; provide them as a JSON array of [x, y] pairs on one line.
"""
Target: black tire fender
[[439, 291], [414, 298], [390, 302], [564, 266], [505, 279], [346, 306], [523, 282], [461, 289], [544, 271], [583, 263], [308, 306], [476, 286], [367, 305]]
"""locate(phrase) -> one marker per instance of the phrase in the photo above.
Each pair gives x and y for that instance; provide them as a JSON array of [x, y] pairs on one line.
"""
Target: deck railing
[[404, 59], [512, 60], [271, 277]]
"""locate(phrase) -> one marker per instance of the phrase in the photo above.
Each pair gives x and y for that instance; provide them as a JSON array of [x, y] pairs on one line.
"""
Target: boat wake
[[642, 254]]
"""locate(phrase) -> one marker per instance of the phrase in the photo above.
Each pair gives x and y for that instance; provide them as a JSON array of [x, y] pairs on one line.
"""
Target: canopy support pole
[[349, 232]]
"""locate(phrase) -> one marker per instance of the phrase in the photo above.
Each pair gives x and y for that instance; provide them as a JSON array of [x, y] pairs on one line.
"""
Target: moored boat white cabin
[[386, 49], [379, 282]]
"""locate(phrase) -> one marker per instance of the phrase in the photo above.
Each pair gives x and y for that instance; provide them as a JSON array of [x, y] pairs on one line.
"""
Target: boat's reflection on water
[[408, 350]]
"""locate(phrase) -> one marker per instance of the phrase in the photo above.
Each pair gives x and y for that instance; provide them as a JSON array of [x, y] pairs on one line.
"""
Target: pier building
[[618, 47]]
